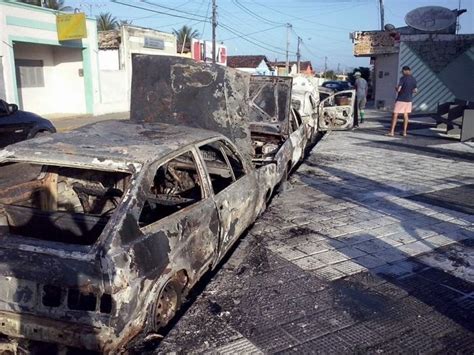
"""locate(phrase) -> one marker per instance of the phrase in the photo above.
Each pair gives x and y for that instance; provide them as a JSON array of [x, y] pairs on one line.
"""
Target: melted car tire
[[165, 307]]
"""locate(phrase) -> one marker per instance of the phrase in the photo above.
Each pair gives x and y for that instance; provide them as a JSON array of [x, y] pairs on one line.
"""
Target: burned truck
[[104, 230]]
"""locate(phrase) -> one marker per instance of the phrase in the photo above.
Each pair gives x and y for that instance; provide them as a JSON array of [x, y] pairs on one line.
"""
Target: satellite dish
[[389, 27], [430, 18]]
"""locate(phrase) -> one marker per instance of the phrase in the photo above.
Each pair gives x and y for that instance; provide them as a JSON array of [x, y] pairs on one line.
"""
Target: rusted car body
[[105, 229], [278, 132]]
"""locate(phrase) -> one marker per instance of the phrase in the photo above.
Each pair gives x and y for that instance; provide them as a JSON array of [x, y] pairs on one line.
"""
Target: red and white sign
[[201, 51]]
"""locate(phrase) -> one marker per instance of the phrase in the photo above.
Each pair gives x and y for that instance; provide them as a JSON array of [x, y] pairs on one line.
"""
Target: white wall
[[385, 95], [109, 59], [38, 99], [69, 84], [65, 59], [114, 92], [63, 90]]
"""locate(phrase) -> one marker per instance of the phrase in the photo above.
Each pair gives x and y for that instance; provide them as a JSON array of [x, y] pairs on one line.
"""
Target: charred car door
[[178, 219], [336, 112], [298, 136], [235, 191]]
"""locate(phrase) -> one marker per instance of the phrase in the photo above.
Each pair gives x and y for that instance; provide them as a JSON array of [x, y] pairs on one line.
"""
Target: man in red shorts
[[405, 90]]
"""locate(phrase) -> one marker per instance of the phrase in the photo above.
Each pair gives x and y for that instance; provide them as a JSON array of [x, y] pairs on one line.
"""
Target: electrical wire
[[172, 9], [255, 43], [157, 12], [252, 33], [251, 13], [244, 36], [207, 14]]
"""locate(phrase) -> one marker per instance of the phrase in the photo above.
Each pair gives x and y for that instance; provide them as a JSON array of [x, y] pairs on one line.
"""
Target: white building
[[253, 64], [40, 73], [116, 49]]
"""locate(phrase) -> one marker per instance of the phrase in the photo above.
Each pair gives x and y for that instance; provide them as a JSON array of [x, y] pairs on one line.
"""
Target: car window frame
[[148, 181], [227, 144]]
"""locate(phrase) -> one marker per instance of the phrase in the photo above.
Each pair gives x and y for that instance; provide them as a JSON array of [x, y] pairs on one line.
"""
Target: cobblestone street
[[369, 250]]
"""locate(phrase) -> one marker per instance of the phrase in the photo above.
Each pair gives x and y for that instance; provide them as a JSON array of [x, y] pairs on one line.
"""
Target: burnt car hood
[[270, 104], [181, 91], [50, 269]]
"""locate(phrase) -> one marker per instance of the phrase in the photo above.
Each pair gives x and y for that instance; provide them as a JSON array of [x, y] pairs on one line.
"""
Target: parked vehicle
[[330, 111], [104, 230], [337, 85], [17, 125], [278, 133], [305, 99], [336, 112]]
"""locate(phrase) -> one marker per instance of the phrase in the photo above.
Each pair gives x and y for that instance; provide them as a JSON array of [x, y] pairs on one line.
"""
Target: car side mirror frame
[[12, 108]]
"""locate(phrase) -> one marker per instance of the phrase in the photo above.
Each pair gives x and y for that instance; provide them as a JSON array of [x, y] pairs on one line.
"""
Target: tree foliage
[[364, 71], [330, 74], [187, 33], [106, 21]]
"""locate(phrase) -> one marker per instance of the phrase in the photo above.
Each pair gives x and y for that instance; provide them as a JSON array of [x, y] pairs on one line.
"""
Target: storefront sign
[[369, 43], [154, 43], [71, 27], [201, 51]]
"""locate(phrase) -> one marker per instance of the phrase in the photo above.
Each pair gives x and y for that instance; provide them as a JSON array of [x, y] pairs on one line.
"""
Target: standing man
[[405, 90], [361, 94]]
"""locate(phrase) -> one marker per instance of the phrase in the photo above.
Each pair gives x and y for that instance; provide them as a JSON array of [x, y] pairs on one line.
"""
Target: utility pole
[[325, 65], [382, 15], [214, 25], [298, 55], [287, 63]]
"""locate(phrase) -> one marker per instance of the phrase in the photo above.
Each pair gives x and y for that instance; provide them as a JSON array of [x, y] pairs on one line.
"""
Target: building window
[[29, 73]]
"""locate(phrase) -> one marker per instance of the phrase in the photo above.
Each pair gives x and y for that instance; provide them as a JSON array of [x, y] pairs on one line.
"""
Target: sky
[[259, 26]]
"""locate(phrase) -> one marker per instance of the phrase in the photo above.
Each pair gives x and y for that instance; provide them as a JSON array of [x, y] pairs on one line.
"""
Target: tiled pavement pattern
[[366, 252]]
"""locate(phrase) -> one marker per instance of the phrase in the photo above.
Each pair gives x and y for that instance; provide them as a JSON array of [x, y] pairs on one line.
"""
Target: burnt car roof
[[109, 145]]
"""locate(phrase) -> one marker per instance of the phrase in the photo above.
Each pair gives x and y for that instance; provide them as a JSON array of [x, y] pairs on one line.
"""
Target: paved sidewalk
[[67, 123], [371, 250]]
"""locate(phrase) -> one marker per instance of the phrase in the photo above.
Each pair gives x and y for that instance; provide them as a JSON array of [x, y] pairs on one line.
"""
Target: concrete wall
[[114, 91], [109, 59], [386, 77], [29, 32]]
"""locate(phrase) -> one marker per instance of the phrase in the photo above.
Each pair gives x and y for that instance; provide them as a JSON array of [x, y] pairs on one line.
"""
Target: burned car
[[254, 112], [277, 130], [336, 112], [323, 110], [105, 229]]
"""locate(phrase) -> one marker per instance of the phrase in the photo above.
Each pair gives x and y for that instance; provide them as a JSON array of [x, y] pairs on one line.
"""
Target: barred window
[[29, 73]]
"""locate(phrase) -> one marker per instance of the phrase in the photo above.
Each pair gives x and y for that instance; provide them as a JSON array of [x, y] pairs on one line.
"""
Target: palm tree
[[50, 4], [125, 22], [185, 33], [106, 22]]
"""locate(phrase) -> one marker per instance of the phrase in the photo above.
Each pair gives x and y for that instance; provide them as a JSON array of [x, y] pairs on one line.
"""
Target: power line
[[250, 12], [158, 12], [255, 43], [252, 33], [207, 14], [171, 8]]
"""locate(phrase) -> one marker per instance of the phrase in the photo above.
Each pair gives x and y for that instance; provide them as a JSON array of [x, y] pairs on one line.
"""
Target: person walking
[[361, 94], [403, 105]]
